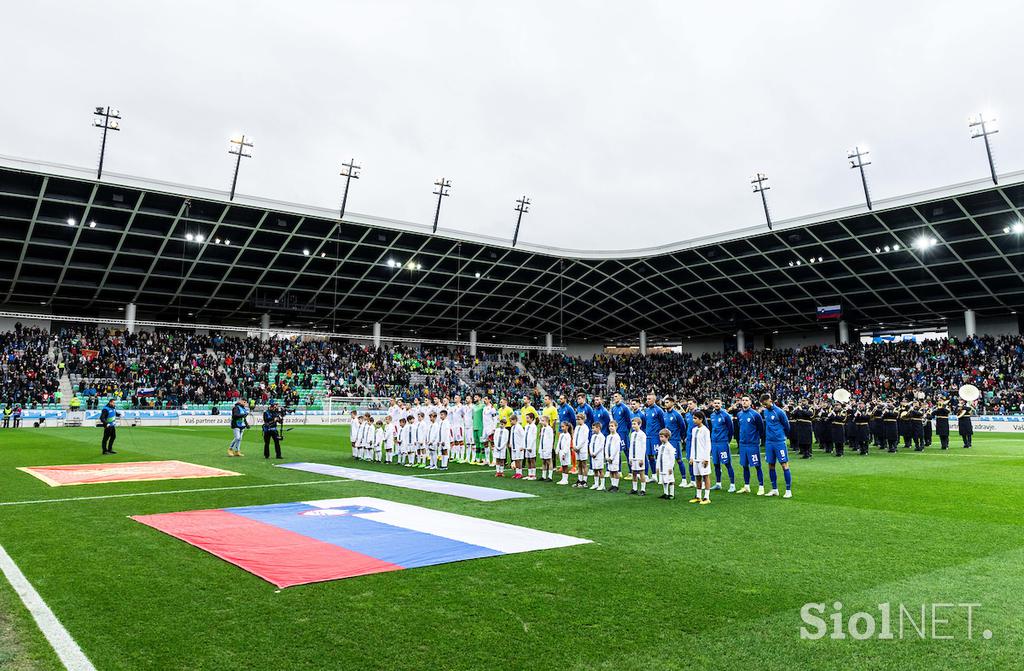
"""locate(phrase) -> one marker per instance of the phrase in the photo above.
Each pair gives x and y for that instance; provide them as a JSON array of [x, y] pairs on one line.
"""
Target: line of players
[[590, 440]]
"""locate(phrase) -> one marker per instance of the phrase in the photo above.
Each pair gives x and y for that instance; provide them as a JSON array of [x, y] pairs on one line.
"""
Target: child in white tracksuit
[[380, 436], [565, 449], [581, 441], [502, 436], [355, 422], [597, 441], [637, 457], [700, 458], [666, 464], [613, 455]]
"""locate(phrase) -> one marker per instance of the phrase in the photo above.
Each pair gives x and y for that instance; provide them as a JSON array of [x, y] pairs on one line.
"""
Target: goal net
[[338, 409]]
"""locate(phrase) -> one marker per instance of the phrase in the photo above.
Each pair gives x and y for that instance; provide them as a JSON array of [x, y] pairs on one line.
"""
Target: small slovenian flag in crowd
[[830, 312], [146, 391]]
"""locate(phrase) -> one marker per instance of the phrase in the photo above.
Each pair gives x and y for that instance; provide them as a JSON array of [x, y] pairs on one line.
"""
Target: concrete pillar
[[376, 335], [970, 323], [265, 326], [741, 342], [844, 332], [643, 342], [129, 318], [472, 343], [549, 344]]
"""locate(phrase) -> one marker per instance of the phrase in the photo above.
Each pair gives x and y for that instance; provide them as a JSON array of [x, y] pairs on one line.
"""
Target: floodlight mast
[[981, 127], [522, 207], [107, 119], [760, 183], [349, 171], [857, 156], [442, 192], [241, 144]]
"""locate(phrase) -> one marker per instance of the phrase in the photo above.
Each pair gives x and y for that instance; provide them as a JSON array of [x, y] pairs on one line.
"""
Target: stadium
[[244, 432]]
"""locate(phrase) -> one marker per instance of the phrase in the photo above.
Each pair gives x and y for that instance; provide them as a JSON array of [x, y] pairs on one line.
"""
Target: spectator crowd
[[171, 369]]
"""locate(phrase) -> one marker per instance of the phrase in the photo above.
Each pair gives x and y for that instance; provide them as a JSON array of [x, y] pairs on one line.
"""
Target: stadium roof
[[307, 268]]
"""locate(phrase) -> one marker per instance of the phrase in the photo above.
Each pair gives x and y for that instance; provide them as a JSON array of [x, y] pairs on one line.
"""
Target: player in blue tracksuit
[[676, 424], [623, 420], [751, 434], [654, 421], [776, 428], [721, 424], [601, 414], [583, 407], [565, 412]]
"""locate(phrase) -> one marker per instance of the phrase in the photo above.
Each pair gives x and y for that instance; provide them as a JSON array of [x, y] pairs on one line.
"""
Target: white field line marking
[[67, 650], [222, 489]]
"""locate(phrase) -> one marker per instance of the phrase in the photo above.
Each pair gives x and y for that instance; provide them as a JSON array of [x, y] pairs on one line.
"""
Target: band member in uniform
[[837, 428], [929, 414], [861, 420], [273, 419], [819, 425], [916, 419], [876, 426], [964, 424], [942, 423], [903, 424], [108, 418], [800, 418], [890, 426]]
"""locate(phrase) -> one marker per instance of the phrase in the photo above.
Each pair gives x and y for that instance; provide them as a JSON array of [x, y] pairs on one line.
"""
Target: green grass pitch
[[665, 584]]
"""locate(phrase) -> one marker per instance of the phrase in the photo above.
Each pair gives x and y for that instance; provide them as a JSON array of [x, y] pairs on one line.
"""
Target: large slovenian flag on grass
[[297, 543]]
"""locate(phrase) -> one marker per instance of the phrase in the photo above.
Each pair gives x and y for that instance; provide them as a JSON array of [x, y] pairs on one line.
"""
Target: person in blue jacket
[[750, 437], [601, 414], [239, 423], [654, 421], [623, 420], [583, 407], [721, 424], [565, 412], [677, 426], [776, 429]]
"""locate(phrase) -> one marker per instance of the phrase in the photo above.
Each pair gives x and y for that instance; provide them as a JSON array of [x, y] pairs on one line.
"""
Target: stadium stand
[[28, 375], [882, 371], [165, 370]]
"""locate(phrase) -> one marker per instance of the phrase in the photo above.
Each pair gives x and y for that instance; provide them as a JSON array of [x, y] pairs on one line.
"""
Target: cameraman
[[273, 421]]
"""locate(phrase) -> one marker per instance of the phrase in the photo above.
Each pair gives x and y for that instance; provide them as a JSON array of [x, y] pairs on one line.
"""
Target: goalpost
[[338, 409]]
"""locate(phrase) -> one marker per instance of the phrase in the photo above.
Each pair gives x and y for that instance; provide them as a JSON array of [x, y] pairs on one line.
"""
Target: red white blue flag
[[830, 312], [297, 543]]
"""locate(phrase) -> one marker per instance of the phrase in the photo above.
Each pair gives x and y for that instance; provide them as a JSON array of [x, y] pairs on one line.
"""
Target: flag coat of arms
[[313, 541]]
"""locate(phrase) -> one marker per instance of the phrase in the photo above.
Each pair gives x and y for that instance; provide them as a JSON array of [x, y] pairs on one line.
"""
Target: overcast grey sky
[[628, 124]]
